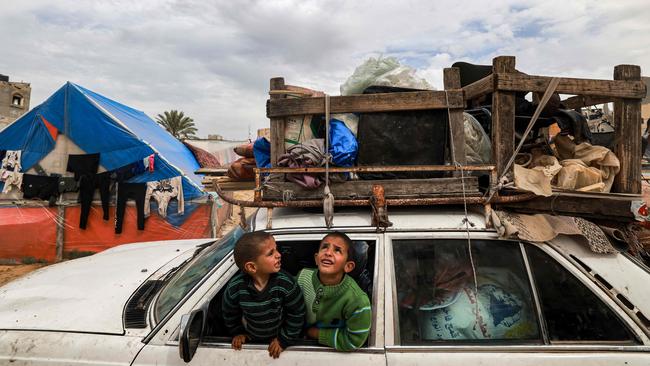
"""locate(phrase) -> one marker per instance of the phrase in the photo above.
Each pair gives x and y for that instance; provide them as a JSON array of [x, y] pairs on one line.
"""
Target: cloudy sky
[[213, 59]]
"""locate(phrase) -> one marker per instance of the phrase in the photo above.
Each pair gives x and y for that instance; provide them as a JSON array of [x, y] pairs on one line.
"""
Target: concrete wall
[[14, 101]]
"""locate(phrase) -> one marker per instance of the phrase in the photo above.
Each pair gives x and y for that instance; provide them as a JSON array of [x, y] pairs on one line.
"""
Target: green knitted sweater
[[341, 312]]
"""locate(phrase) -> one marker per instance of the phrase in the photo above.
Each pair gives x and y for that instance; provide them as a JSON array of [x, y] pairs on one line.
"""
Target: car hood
[[88, 294]]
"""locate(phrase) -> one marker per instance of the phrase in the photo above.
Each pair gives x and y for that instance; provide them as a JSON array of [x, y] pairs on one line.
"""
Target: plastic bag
[[297, 130], [262, 152], [351, 121], [343, 145], [478, 148], [382, 72]]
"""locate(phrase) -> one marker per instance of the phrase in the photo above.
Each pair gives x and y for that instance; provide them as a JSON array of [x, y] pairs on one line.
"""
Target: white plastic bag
[[478, 148], [382, 72]]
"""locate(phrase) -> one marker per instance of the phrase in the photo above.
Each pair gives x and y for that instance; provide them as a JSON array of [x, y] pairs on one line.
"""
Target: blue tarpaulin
[[120, 134]]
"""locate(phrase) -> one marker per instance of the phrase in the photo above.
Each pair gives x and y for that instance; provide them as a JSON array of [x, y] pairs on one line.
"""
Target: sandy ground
[[11, 272]]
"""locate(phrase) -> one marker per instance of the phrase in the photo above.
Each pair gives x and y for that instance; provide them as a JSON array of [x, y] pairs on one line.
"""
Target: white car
[[438, 298]]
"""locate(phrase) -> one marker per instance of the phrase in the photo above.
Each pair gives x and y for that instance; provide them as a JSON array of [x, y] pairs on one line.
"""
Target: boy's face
[[332, 256], [268, 261]]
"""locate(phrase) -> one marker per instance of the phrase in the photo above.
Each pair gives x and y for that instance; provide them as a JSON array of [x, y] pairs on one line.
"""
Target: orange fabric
[[50, 127], [28, 233], [100, 235]]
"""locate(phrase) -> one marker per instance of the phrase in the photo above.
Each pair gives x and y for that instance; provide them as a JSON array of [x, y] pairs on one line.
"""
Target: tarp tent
[[75, 120], [96, 124]]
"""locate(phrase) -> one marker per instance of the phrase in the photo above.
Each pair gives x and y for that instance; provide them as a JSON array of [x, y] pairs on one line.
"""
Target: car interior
[[296, 255]]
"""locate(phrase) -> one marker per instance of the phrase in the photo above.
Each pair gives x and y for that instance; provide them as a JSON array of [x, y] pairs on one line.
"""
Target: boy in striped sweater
[[262, 302], [338, 311]]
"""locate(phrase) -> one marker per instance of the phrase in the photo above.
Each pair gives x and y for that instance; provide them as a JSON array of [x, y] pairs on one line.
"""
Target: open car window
[[452, 291], [296, 255]]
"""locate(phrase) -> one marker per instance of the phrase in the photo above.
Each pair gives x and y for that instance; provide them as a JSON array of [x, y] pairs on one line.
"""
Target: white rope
[[466, 218], [550, 89], [328, 197]]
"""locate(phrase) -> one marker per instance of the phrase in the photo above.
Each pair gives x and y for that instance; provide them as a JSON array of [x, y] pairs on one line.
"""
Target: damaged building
[[14, 100]]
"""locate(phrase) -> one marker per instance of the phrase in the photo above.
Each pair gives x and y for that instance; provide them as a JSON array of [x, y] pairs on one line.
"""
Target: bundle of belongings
[[242, 168], [568, 159], [363, 139]]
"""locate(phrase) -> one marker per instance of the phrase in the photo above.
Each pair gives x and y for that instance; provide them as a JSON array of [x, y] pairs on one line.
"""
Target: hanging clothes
[[12, 180], [126, 191], [11, 161], [43, 187], [85, 167], [163, 191], [148, 163]]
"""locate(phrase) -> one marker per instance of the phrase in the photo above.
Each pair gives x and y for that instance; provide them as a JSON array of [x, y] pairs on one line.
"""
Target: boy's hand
[[312, 333], [238, 340], [275, 349]]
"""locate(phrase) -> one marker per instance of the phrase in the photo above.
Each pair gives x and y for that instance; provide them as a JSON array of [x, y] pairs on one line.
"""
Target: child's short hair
[[247, 247], [346, 239]]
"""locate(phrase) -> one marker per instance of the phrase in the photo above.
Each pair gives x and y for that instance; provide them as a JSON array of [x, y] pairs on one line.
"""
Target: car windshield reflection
[[190, 274]]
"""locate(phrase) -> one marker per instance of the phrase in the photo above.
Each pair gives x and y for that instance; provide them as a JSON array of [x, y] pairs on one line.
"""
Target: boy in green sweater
[[261, 302], [338, 311]]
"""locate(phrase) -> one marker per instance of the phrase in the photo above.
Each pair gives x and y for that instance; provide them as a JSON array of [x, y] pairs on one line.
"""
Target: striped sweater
[[276, 311], [342, 312]]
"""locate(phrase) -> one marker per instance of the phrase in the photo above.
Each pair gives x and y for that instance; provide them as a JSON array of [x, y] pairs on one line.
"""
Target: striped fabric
[[277, 311], [341, 313]]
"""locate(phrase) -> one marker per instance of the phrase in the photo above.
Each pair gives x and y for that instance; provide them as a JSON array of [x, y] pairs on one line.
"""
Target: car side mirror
[[190, 334]]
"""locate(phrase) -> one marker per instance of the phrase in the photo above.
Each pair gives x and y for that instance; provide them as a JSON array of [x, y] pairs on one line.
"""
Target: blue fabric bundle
[[343, 144]]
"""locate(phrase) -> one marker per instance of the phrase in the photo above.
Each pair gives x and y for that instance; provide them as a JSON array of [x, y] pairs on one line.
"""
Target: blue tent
[[121, 134]]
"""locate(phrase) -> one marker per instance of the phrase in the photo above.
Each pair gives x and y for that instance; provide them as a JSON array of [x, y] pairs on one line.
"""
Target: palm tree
[[178, 124]]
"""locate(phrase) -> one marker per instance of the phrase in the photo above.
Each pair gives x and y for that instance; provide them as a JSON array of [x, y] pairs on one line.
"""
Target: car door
[[163, 345], [455, 301]]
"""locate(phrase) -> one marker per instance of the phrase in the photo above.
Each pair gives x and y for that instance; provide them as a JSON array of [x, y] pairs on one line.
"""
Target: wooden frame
[[626, 91], [452, 99]]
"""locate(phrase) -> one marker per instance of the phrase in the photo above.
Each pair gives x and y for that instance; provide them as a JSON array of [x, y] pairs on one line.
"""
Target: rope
[[466, 218], [550, 89], [328, 197]]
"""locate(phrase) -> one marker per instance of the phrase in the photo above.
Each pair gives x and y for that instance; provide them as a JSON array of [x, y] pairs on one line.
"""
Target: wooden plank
[[361, 189], [580, 101], [479, 88], [451, 78], [277, 124], [600, 206], [227, 184], [627, 123], [503, 116], [607, 88], [385, 102], [212, 171]]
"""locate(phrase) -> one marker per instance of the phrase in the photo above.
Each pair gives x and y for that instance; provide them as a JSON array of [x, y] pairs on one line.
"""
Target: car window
[[571, 311], [296, 255], [190, 274], [437, 294]]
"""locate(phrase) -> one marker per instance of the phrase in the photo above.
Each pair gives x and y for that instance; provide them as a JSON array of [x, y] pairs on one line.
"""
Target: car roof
[[403, 218]]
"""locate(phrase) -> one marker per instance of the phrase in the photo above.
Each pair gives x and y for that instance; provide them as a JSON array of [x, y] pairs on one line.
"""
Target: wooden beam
[[580, 101], [503, 116], [394, 188], [600, 206], [479, 88], [627, 124], [385, 102], [451, 77], [607, 88], [277, 125]]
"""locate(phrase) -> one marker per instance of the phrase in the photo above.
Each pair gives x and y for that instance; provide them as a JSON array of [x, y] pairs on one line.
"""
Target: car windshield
[[191, 273]]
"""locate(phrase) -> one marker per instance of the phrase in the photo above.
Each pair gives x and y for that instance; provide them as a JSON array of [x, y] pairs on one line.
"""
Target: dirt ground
[[13, 271]]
